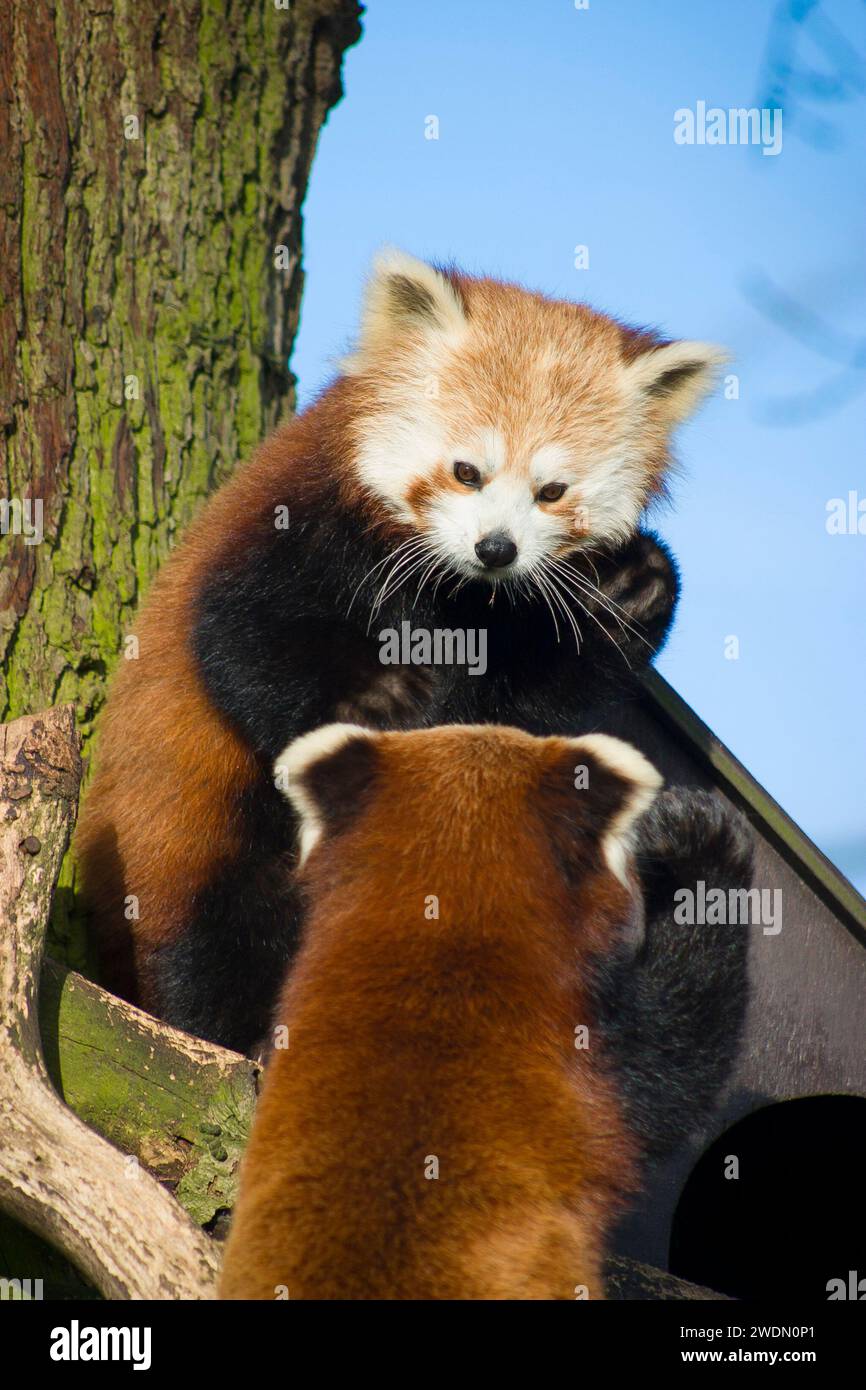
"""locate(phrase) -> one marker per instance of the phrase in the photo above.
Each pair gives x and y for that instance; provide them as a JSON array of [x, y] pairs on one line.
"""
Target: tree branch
[[182, 1106], [110, 1217]]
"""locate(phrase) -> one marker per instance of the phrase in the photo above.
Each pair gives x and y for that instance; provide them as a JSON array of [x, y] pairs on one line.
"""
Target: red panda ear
[[674, 378], [406, 300], [596, 788], [325, 775]]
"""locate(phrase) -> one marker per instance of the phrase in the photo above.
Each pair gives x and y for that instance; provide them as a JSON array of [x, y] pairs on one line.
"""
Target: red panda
[[480, 466], [434, 1125]]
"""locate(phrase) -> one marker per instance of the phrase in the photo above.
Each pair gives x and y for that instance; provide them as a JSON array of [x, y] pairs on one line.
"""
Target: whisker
[[378, 566], [409, 564], [589, 613], [430, 570], [380, 595], [568, 576], [419, 553], [462, 581], [588, 552], [535, 576], [404, 578], [604, 600], [587, 583], [550, 579]]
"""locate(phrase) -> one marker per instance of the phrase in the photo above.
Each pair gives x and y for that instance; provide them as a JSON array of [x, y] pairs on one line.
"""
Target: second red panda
[[437, 1127]]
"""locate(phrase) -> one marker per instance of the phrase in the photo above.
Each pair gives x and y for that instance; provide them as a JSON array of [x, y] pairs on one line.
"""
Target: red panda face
[[508, 429]]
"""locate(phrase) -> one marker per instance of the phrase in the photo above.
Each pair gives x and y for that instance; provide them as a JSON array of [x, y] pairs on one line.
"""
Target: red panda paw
[[637, 588]]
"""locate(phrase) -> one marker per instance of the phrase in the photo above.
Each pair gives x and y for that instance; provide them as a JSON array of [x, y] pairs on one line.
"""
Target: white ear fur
[[404, 295], [676, 377], [646, 782], [292, 766]]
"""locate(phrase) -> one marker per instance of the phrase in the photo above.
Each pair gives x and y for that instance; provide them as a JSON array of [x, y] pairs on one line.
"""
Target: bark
[[628, 1280], [155, 153], [120, 1228]]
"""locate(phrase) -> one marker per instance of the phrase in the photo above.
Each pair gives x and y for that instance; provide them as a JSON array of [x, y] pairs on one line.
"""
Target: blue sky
[[556, 130]]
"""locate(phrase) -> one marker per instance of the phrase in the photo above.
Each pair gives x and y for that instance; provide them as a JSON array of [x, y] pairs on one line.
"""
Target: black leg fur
[[219, 977]]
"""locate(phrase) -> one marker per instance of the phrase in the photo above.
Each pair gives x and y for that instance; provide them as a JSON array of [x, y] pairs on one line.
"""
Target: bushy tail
[[672, 1015]]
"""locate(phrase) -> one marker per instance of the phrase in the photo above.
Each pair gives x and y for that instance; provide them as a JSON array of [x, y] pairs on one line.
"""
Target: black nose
[[496, 550]]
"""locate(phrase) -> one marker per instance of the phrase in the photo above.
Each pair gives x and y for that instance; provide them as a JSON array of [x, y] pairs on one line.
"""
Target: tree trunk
[[154, 155]]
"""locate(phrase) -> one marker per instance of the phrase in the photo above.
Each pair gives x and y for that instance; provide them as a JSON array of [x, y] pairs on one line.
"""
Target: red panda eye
[[468, 474], [551, 492]]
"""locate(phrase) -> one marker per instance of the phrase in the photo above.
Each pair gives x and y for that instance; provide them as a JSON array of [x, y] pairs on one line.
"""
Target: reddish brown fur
[[158, 819], [452, 1037], [423, 491]]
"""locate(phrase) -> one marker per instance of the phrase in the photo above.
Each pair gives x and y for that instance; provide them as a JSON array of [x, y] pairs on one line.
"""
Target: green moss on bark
[[144, 330], [182, 1109]]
